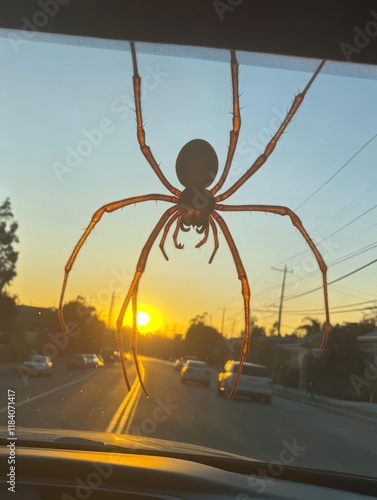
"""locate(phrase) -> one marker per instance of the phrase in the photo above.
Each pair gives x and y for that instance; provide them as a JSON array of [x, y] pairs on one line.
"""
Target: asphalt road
[[287, 431]]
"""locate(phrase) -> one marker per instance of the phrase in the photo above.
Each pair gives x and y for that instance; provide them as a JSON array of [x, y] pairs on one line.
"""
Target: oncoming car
[[37, 364], [196, 371], [254, 381], [93, 361]]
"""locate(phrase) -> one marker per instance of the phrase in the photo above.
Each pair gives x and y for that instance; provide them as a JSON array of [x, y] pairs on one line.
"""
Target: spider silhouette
[[198, 207]]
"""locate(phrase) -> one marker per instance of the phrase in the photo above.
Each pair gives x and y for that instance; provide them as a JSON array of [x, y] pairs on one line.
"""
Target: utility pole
[[222, 322], [285, 271], [111, 309]]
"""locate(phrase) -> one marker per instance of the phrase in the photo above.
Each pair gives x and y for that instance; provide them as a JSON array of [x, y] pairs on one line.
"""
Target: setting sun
[[148, 319], [143, 318]]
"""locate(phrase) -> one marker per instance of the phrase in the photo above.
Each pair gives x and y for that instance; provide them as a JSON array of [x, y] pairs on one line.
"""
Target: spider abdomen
[[195, 205], [197, 164]]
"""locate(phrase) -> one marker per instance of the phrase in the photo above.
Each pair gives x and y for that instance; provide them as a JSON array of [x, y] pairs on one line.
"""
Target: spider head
[[195, 205], [197, 164]]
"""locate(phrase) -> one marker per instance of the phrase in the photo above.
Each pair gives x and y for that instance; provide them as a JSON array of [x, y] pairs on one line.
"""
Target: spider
[[198, 207]]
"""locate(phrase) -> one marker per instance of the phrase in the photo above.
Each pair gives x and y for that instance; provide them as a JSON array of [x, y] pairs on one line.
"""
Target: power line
[[341, 259], [339, 312], [337, 172], [330, 235], [332, 308], [332, 282]]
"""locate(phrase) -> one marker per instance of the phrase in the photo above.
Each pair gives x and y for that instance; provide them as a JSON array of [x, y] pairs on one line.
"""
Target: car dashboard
[[58, 471]]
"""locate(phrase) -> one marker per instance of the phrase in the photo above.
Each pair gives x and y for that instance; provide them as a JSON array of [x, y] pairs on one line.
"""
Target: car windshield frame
[[195, 62]]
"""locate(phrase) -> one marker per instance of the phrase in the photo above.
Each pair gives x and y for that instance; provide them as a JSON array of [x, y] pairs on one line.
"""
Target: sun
[[148, 319], [142, 318]]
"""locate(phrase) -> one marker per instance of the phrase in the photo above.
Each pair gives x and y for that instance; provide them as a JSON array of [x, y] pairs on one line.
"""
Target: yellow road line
[[125, 408], [130, 410]]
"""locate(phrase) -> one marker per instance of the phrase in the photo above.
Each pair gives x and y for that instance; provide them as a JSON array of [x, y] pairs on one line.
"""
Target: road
[[97, 400]]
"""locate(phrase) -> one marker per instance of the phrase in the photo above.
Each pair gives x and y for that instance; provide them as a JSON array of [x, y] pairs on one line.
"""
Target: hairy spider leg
[[165, 233], [176, 231], [233, 135], [133, 340], [134, 288], [110, 207], [297, 223], [205, 238], [215, 238], [245, 294], [145, 149], [274, 139]]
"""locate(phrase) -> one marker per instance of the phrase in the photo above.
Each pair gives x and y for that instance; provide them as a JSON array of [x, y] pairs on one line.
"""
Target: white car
[[196, 371], [94, 361], [254, 381], [37, 364]]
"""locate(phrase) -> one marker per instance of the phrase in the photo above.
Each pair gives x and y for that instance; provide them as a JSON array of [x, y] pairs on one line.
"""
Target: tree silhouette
[[8, 237], [312, 325], [206, 343], [86, 330]]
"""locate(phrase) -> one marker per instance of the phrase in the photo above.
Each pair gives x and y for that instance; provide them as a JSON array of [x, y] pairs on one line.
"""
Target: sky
[[68, 146]]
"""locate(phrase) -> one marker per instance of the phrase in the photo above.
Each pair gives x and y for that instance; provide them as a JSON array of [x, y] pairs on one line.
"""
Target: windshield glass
[[71, 143]]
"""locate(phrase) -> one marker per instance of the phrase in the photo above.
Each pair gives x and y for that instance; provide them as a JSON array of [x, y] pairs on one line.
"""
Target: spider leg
[[215, 237], [182, 226], [274, 139], [297, 223], [166, 230], [135, 283], [201, 229], [245, 294], [175, 235], [236, 123], [145, 149], [133, 340], [204, 240], [110, 207]]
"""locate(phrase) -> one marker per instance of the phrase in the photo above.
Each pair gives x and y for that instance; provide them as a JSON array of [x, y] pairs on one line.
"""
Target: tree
[[206, 343], [8, 313], [86, 330], [8, 237], [312, 325]]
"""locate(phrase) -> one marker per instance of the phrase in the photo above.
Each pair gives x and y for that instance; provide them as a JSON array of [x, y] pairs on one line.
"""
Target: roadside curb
[[334, 407]]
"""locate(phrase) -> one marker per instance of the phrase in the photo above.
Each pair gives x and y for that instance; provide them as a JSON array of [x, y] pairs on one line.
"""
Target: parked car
[[196, 371], [254, 381], [78, 361], [37, 364], [180, 362], [94, 361]]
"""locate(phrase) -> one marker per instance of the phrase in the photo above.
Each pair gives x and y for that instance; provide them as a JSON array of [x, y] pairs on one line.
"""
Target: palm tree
[[312, 325]]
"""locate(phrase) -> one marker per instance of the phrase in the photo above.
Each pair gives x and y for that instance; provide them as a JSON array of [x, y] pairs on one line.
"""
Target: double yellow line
[[122, 419]]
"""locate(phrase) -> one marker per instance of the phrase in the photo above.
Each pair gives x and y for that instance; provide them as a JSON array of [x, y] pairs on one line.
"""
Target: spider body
[[198, 207], [197, 164], [195, 206]]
